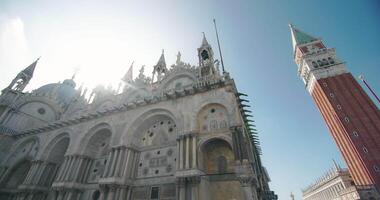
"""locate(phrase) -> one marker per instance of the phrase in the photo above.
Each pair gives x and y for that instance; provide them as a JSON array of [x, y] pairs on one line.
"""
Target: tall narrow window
[[154, 194]]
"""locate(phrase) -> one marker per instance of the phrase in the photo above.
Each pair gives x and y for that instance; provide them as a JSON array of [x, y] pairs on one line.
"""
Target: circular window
[[170, 129], [151, 134], [339, 107], [140, 164], [212, 110], [157, 171], [158, 152], [41, 111]]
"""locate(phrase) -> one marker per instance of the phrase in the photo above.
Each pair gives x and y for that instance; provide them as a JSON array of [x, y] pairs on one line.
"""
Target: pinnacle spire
[[161, 62], [128, 77], [204, 40], [30, 69], [299, 37]]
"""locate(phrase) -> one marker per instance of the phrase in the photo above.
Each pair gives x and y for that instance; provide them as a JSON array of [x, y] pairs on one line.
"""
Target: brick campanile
[[351, 116]]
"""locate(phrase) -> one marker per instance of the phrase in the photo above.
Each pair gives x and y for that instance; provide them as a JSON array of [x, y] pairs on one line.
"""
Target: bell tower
[[351, 116], [22, 79], [206, 59]]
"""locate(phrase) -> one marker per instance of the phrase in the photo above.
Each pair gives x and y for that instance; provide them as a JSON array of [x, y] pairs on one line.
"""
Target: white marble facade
[[181, 134]]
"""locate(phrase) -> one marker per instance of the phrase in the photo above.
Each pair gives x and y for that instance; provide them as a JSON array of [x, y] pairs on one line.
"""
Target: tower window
[[331, 95], [331, 61], [355, 134], [346, 119], [204, 55], [365, 150], [324, 61], [315, 65], [376, 168], [325, 84], [339, 107]]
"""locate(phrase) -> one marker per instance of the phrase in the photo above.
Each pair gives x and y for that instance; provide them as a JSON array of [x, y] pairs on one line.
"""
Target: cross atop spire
[[299, 37]]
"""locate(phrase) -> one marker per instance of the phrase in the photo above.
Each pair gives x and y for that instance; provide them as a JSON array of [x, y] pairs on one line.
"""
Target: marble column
[[122, 193], [126, 163], [109, 159], [194, 140], [116, 160], [61, 169], [60, 195], [68, 168], [120, 161], [111, 193], [134, 164], [30, 174], [187, 158], [112, 163], [180, 156], [78, 168]]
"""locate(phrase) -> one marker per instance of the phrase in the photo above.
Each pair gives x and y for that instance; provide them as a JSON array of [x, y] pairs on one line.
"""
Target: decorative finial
[[361, 77], [76, 69]]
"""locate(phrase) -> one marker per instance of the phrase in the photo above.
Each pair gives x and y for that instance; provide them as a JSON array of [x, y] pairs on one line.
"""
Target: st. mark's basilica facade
[[184, 133]]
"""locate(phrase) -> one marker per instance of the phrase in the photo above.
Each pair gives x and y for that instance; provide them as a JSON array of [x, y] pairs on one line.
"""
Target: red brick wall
[[347, 109]]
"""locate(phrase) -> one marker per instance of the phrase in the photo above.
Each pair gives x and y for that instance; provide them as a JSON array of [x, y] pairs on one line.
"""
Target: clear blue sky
[[104, 37]]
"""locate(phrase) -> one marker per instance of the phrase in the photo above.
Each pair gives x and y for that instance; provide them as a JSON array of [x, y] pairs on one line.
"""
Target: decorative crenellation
[[329, 175], [197, 87]]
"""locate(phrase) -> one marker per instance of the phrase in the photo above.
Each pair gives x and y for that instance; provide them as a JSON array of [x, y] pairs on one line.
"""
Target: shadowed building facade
[[183, 133], [351, 116]]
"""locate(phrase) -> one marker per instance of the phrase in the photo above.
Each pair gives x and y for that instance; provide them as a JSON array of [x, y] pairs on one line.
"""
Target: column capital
[[194, 180], [247, 181], [234, 128]]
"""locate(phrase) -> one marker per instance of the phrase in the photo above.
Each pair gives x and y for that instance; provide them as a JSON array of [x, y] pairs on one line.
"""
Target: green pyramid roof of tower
[[299, 37]]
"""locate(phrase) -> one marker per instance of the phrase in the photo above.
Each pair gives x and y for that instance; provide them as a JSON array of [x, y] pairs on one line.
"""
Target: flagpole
[[220, 51], [361, 77]]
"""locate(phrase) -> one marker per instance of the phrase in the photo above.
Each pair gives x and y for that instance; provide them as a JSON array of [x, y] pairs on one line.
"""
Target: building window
[[325, 84], [355, 134], [331, 61], [365, 150], [376, 168], [315, 65], [346, 119], [154, 193], [339, 107], [324, 61], [332, 95]]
